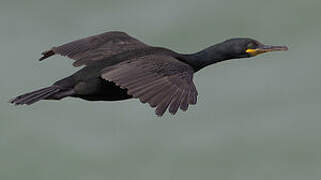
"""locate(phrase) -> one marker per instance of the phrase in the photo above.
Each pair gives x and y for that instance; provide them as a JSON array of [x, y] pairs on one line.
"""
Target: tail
[[35, 96]]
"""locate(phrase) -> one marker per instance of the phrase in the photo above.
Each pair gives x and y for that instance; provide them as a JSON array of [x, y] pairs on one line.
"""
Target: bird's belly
[[103, 91]]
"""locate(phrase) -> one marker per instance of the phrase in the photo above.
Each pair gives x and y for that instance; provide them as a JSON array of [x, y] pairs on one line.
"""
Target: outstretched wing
[[160, 80], [95, 48]]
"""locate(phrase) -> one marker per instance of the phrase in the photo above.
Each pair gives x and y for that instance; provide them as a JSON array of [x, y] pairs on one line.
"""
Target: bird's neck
[[205, 57]]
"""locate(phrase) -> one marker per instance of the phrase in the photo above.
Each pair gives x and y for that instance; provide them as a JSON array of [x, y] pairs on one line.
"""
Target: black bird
[[118, 67]]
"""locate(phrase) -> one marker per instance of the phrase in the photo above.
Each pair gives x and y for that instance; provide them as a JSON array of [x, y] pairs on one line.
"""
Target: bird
[[117, 66]]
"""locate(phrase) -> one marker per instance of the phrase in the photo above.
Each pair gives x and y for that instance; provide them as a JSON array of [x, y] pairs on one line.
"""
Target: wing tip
[[46, 54]]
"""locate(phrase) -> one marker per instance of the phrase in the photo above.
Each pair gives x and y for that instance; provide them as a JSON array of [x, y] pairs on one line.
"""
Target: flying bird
[[118, 67]]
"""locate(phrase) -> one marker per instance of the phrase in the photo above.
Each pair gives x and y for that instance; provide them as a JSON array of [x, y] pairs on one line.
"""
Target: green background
[[256, 119]]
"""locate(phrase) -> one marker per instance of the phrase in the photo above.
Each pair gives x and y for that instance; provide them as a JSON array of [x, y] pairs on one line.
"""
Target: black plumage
[[118, 66]]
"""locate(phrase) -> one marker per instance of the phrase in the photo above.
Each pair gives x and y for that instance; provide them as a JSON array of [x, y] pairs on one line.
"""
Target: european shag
[[118, 67]]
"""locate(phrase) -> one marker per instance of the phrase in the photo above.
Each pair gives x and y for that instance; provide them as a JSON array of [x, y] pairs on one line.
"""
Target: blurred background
[[256, 118]]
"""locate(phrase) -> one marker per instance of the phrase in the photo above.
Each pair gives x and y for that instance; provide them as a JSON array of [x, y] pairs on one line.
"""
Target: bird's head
[[235, 48], [246, 47]]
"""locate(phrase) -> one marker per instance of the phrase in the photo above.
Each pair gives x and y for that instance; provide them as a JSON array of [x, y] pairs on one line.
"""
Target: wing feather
[[176, 102], [95, 48], [159, 80], [163, 105]]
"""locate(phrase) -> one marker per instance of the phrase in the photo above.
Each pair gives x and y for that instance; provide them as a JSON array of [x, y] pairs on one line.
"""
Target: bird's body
[[87, 83], [119, 67]]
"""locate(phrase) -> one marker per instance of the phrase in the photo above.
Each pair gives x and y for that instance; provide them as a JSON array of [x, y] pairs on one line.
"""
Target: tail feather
[[40, 96], [35, 96]]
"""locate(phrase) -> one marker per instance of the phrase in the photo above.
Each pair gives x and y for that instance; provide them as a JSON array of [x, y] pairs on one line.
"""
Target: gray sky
[[256, 118]]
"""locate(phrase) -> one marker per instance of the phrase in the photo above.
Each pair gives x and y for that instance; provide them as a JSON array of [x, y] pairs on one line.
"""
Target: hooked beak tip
[[267, 48]]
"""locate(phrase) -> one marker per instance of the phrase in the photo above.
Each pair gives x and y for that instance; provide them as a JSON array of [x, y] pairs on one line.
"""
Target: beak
[[266, 48]]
